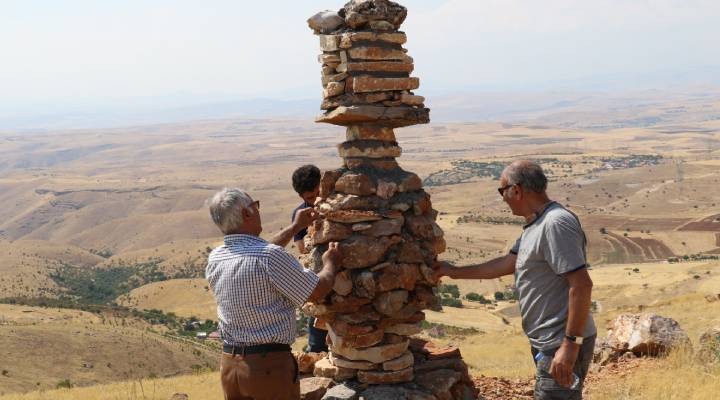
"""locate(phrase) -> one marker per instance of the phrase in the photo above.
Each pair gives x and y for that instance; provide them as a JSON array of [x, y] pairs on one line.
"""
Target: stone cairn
[[378, 212]]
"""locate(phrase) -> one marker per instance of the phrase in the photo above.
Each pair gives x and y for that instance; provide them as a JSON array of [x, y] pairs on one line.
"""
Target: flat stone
[[314, 388], [404, 329], [333, 78], [369, 149], [355, 183], [378, 54], [376, 66], [412, 100], [363, 226], [348, 38], [334, 89], [421, 226], [328, 70], [312, 260], [386, 164], [350, 202], [389, 116], [404, 361], [385, 227], [306, 361], [315, 310], [428, 274], [410, 252], [389, 303], [355, 341], [432, 352], [398, 276], [370, 132], [329, 42], [323, 231], [367, 83], [361, 251], [376, 354], [410, 183], [343, 283], [456, 364], [353, 216], [385, 377], [330, 59], [381, 25], [179, 396], [345, 363], [439, 381], [645, 334], [324, 368], [364, 314], [342, 391], [342, 304], [344, 328]]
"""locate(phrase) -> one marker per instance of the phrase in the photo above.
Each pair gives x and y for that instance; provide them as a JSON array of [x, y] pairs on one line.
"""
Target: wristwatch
[[575, 339]]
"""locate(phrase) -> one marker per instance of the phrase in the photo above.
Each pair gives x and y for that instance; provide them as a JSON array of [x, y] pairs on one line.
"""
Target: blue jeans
[[545, 386], [316, 338]]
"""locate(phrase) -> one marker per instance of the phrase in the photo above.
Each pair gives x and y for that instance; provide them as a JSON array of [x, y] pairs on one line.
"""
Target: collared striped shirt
[[257, 286]]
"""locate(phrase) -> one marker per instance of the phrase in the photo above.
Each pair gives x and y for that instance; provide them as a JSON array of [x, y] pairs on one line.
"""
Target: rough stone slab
[[404, 361], [354, 163], [404, 329], [329, 42], [334, 89], [385, 227], [432, 351], [365, 314], [390, 303], [392, 117], [324, 368], [306, 361], [377, 354], [343, 304], [398, 276], [343, 328], [366, 83], [355, 183], [412, 100], [350, 202], [329, 59], [367, 36], [386, 189], [369, 149], [376, 66], [333, 78], [378, 54], [323, 231], [359, 13], [344, 363], [314, 388], [357, 341], [364, 284], [327, 182], [353, 216], [370, 132], [363, 251], [385, 377], [341, 392]]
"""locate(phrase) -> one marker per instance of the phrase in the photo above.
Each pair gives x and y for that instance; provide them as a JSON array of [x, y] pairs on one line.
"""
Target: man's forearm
[[492, 269], [283, 237], [579, 300]]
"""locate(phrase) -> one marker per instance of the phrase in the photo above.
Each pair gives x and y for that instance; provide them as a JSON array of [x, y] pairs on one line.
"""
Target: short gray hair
[[226, 209], [527, 174]]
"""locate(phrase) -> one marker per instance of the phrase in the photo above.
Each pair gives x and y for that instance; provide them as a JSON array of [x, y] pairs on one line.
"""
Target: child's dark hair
[[306, 179]]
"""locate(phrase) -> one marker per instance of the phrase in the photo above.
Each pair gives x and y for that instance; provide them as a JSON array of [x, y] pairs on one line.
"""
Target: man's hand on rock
[[305, 217], [332, 255], [442, 268]]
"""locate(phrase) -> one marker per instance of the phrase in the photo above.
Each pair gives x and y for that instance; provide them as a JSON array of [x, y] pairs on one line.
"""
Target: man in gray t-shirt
[[554, 287]]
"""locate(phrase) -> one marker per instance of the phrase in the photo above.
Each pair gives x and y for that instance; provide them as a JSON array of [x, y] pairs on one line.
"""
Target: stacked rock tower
[[378, 212]]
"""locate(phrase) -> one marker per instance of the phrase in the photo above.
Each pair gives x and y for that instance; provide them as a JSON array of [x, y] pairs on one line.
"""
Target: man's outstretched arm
[[303, 219], [495, 268]]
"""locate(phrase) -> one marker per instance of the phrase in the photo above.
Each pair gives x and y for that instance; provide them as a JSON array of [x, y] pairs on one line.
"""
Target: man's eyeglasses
[[502, 190]]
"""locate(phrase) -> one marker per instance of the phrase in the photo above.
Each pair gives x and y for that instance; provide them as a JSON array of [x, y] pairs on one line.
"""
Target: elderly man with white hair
[[258, 286], [554, 287]]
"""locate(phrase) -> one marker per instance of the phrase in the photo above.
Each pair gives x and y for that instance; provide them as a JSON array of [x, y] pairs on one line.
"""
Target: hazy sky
[[89, 51]]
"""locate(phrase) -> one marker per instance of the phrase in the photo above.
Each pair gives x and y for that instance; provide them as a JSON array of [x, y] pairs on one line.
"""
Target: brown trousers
[[263, 376]]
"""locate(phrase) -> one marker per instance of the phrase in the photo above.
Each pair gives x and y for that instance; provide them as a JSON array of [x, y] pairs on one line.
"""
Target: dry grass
[[679, 377]]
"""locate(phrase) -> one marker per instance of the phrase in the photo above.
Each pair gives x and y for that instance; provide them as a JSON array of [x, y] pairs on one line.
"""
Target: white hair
[[226, 209]]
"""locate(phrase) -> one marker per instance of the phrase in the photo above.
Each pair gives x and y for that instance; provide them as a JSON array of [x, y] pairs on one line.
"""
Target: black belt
[[255, 349]]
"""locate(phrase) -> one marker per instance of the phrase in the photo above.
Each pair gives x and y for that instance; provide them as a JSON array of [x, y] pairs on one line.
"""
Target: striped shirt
[[257, 286]]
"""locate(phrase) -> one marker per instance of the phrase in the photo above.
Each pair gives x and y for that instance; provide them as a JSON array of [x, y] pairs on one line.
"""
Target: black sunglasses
[[502, 190]]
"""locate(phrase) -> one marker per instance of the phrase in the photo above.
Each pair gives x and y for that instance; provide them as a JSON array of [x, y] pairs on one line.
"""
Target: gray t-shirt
[[549, 247]]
